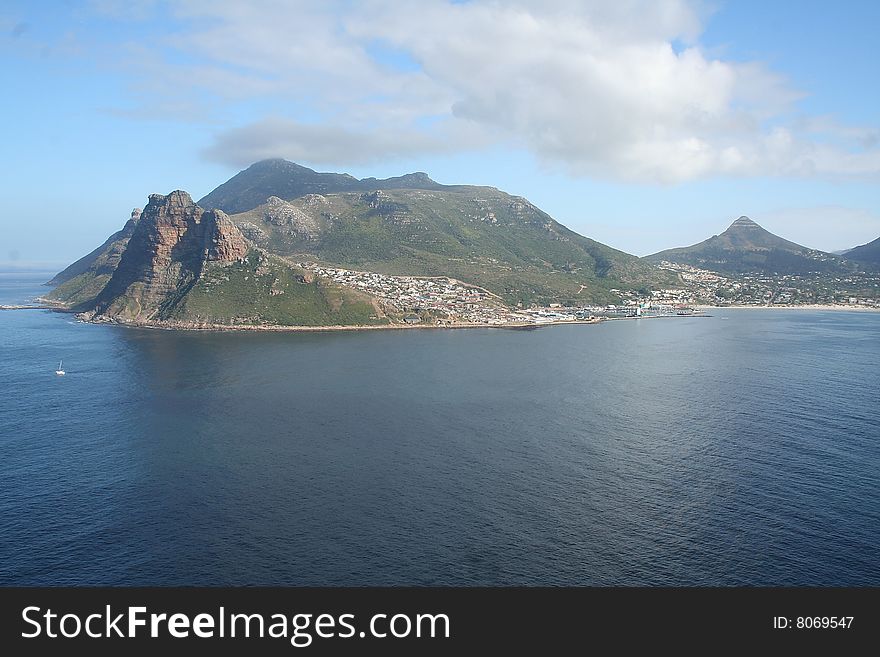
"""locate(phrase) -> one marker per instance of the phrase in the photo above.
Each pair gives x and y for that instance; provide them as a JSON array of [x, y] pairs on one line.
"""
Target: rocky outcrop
[[170, 244], [224, 242], [290, 218]]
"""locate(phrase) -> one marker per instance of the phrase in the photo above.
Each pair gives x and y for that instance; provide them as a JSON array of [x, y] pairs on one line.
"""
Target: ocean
[[737, 449]]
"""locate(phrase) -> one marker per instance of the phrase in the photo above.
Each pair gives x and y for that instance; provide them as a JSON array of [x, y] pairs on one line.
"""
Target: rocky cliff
[[165, 256], [407, 226], [176, 264]]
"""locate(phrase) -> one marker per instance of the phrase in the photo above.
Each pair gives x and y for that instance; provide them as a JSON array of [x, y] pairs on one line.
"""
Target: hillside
[[411, 225], [317, 249], [866, 253], [182, 265], [746, 247]]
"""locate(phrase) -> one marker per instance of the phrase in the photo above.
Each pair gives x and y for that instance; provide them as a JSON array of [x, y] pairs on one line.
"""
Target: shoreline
[[222, 328], [48, 304], [225, 328], [812, 306]]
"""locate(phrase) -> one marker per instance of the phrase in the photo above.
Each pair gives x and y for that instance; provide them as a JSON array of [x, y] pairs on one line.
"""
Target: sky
[[644, 124]]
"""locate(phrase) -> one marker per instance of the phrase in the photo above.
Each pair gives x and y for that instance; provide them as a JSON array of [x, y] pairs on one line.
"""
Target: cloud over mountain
[[619, 90]]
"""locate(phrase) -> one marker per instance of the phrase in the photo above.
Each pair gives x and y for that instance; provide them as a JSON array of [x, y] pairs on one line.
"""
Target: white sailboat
[[60, 370]]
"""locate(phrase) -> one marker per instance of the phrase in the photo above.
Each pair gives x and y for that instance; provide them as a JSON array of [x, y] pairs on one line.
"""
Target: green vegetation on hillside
[[79, 292], [475, 234], [746, 247], [185, 264], [867, 254], [263, 290]]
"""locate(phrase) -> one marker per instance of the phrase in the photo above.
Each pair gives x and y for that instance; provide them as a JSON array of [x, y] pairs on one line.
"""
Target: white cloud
[[324, 144], [619, 90]]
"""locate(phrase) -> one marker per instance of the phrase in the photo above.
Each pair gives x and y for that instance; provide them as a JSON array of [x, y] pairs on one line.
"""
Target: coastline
[[812, 306], [50, 304], [220, 328]]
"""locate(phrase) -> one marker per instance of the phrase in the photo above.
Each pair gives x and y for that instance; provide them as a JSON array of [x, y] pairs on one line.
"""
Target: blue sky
[[644, 125]]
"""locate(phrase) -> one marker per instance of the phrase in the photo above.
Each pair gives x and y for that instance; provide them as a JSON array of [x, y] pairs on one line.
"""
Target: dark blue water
[[739, 449]]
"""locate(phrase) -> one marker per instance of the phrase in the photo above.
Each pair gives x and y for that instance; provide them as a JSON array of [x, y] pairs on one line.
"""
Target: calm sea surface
[[738, 449]]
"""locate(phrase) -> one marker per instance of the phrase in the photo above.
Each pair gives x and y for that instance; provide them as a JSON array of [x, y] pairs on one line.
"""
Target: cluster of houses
[[760, 289], [442, 299], [447, 301]]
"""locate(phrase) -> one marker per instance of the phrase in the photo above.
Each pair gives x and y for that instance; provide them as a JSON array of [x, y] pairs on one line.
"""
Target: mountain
[[866, 253], [323, 248], [182, 265], [746, 247], [253, 186], [411, 225]]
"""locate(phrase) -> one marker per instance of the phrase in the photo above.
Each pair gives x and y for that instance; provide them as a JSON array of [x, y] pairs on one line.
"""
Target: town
[[439, 300], [445, 301], [754, 289]]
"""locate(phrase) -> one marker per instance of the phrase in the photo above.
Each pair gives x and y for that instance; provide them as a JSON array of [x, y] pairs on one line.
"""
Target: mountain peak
[[419, 176], [747, 247], [743, 222], [275, 162], [748, 235], [415, 180], [287, 180], [177, 199]]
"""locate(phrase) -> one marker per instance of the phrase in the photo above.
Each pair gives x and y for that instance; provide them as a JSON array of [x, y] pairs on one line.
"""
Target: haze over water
[[738, 449]]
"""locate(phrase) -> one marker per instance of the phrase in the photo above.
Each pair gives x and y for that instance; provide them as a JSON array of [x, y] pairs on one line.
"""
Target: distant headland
[[280, 246]]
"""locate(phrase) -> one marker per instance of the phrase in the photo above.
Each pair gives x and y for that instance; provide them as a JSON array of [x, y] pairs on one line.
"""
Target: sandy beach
[[813, 306]]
